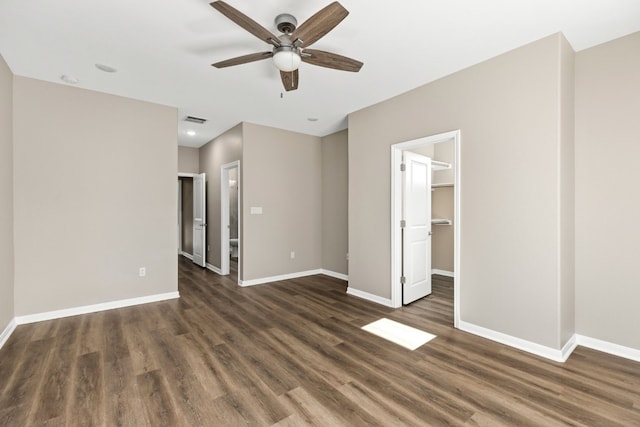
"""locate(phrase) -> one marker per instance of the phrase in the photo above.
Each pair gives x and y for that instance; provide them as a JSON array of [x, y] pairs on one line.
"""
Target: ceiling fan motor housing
[[286, 23]]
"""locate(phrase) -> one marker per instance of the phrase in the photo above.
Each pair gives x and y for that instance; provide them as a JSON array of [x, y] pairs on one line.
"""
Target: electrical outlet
[[142, 272], [293, 255]]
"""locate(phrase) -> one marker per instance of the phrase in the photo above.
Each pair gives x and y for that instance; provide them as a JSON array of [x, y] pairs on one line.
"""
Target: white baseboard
[[442, 272], [568, 348], [335, 275], [186, 255], [263, 280], [4, 336], [608, 347], [214, 269], [57, 314], [369, 297], [520, 344]]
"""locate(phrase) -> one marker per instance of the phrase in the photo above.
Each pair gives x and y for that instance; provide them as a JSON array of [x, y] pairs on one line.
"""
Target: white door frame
[[224, 217], [396, 216]]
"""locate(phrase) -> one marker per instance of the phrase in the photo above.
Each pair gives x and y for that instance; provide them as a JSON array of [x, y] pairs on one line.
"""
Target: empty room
[[279, 214]]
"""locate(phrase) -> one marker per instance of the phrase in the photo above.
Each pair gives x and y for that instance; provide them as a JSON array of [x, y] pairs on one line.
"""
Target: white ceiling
[[163, 49]]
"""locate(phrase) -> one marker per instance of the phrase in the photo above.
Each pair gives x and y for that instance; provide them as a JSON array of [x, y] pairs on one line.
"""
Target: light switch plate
[[256, 210]]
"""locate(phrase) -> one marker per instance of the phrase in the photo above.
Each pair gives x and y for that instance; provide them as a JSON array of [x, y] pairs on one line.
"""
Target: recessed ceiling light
[[105, 68], [191, 132], [312, 119], [69, 79]]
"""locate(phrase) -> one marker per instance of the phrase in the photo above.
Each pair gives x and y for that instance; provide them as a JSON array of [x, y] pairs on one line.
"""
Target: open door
[[416, 212], [199, 220]]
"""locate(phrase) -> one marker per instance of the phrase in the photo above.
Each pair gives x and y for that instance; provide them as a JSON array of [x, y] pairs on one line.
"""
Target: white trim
[[520, 344], [187, 175], [263, 280], [4, 336], [187, 255], [568, 348], [608, 347], [396, 215], [214, 269], [442, 272], [369, 297], [335, 275], [57, 314]]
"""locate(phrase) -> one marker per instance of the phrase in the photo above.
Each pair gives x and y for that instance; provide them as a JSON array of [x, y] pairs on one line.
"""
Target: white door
[[199, 220], [416, 257]]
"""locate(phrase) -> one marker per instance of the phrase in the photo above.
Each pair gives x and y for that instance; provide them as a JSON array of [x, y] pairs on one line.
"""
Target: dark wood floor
[[292, 353]]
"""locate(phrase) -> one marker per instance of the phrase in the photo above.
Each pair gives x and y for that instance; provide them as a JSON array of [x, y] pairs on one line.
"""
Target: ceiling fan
[[291, 48]]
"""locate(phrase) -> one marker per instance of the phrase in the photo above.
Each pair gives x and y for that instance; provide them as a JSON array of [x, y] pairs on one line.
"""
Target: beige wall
[[335, 199], [445, 152], [226, 148], [607, 195], [281, 173], [6, 195], [566, 184], [188, 160], [508, 110], [95, 197], [442, 241]]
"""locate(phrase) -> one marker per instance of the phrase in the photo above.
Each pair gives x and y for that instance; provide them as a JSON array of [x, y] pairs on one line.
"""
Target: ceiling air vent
[[193, 119]]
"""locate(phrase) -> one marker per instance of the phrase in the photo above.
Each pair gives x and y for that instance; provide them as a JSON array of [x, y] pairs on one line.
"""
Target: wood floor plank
[[199, 362], [384, 410], [138, 341], [265, 363], [19, 394], [54, 390], [157, 402], [86, 405], [248, 387], [292, 353], [90, 330], [189, 395], [122, 401], [12, 354], [309, 410]]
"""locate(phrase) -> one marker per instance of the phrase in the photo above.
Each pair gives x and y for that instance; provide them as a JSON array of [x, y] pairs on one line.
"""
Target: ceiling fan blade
[[289, 80], [243, 59], [311, 30], [330, 60], [245, 22]]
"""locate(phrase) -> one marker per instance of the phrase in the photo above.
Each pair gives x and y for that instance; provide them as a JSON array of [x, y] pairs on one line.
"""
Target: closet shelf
[[440, 221], [438, 166], [442, 184]]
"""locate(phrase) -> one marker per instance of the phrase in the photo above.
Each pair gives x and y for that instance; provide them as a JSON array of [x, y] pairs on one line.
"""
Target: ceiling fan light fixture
[[286, 58]]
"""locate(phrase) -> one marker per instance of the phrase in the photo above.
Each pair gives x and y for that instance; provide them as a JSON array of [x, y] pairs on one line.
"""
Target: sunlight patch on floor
[[398, 333]]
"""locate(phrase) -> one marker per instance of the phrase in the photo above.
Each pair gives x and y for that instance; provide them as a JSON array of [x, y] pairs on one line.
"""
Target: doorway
[[397, 151], [230, 215], [192, 217]]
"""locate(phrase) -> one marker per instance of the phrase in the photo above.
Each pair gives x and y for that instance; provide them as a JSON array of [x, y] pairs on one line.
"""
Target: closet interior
[[442, 205]]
